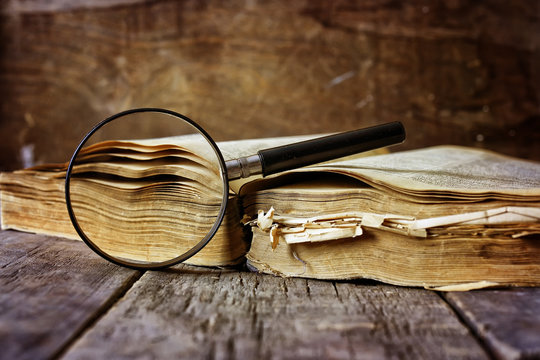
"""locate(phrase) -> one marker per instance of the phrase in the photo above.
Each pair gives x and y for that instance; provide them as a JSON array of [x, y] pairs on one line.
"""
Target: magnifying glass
[[148, 188]]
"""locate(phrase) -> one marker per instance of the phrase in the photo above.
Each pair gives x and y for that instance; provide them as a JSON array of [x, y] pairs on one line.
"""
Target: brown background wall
[[454, 71]]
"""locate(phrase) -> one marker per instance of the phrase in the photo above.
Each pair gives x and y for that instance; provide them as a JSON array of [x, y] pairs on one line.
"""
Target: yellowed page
[[446, 170]]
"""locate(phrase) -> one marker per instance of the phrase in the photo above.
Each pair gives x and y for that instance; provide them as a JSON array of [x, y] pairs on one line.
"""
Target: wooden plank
[[195, 313], [508, 321], [51, 289]]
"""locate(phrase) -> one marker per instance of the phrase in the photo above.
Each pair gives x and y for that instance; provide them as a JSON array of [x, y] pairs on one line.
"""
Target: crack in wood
[[102, 311], [463, 320]]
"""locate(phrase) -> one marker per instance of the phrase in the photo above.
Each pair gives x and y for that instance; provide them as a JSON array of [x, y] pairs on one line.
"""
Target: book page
[[514, 221], [445, 169]]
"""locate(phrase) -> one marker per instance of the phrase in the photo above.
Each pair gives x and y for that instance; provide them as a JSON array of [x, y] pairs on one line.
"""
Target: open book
[[437, 217]]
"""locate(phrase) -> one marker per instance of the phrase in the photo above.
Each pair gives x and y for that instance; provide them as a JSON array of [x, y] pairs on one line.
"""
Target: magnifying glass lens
[[147, 188]]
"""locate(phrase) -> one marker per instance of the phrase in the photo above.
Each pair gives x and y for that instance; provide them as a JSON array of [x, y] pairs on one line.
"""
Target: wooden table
[[59, 300]]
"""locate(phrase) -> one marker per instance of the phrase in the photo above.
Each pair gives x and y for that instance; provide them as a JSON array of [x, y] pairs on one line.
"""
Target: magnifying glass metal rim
[[155, 265]]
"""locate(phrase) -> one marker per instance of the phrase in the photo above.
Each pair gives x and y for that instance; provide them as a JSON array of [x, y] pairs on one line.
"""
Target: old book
[[440, 216], [444, 217], [33, 199]]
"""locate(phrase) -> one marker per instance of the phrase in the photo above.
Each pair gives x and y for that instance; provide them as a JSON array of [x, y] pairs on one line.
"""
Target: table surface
[[59, 300]]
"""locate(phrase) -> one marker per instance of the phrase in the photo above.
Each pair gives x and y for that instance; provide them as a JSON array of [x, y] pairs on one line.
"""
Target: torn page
[[510, 220]]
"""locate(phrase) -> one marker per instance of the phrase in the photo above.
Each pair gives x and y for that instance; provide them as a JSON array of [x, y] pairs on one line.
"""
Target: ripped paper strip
[[294, 230]]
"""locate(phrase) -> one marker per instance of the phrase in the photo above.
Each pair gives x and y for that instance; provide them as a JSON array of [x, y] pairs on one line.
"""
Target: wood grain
[[457, 72], [57, 298], [51, 289], [202, 313], [508, 321]]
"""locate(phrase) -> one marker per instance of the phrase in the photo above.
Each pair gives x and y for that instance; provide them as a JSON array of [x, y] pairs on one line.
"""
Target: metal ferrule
[[243, 167]]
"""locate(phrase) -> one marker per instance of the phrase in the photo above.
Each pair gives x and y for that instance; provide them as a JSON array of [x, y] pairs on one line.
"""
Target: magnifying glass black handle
[[309, 152], [314, 151]]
